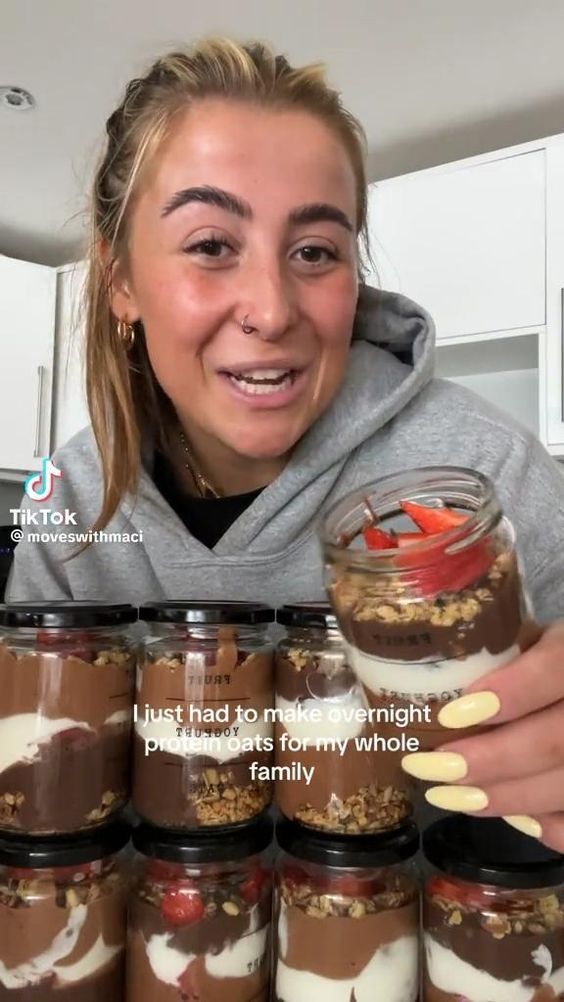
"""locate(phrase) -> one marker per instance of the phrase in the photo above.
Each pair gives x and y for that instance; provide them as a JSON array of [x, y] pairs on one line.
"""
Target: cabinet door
[[70, 408], [27, 323], [554, 369], [466, 241]]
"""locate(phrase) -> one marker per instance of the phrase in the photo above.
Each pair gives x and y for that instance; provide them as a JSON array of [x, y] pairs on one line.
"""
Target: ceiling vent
[[16, 98]]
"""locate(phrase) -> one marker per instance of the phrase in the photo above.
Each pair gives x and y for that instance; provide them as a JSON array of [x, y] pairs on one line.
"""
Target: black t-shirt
[[207, 519]]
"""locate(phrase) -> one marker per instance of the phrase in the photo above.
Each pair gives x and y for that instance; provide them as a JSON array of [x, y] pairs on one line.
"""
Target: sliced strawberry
[[294, 875], [73, 739], [432, 520], [251, 888], [70, 643], [182, 906], [407, 538], [70, 874], [20, 873], [469, 895], [350, 886], [377, 539]]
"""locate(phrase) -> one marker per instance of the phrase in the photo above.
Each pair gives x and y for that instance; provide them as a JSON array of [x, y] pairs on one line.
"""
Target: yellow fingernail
[[442, 767], [469, 710], [457, 798], [524, 823]]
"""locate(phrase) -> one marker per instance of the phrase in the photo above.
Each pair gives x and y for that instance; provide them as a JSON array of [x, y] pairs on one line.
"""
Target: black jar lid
[[489, 851], [329, 849], [211, 613], [40, 852], [65, 615], [315, 615], [209, 845]]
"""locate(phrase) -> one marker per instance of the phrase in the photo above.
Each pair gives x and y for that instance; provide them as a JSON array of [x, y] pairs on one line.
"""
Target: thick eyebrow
[[316, 212], [209, 196]]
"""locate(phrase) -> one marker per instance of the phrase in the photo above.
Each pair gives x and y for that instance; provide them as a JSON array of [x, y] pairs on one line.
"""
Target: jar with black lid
[[203, 745], [347, 916], [63, 916], [200, 915], [330, 774], [67, 675], [493, 914]]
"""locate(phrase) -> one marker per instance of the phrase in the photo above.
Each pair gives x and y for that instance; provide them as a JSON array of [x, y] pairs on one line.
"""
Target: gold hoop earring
[[126, 334]]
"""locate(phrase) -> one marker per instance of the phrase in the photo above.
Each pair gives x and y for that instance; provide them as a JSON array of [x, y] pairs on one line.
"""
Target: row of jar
[[203, 748], [194, 919]]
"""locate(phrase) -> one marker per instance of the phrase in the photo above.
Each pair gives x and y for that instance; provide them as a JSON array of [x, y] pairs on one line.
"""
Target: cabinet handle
[[40, 374]]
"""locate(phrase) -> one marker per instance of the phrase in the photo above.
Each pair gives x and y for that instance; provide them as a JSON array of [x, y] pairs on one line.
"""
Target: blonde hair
[[126, 402]]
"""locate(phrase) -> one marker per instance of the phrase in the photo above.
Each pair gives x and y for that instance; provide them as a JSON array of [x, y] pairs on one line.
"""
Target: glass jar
[[200, 913], [203, 745], [426, 613], [63, 917], [67, 675], [493, 914], [347, 916], [330, 774]]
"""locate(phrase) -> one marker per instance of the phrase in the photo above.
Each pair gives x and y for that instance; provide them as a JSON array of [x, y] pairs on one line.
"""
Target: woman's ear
[[122, 300]]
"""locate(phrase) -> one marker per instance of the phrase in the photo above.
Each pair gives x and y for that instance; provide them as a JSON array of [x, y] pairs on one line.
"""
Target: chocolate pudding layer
[[424, 652], [347, 944], [219, 949], [63, 935], [197, 769], [65, 732], [511, 947]]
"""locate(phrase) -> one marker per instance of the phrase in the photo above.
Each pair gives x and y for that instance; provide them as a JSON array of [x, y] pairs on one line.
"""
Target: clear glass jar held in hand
[[493, 914], [423, 576], [67, 677], [205, 680], [63, 917], [344, 782], [347, 916], [200, 912]]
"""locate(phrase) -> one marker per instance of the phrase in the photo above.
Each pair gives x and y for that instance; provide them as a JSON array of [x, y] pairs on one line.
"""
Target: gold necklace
[[203, 486]]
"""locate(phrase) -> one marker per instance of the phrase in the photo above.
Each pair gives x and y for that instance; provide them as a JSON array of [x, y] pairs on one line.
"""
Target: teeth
[[254, 389], [261, 375]]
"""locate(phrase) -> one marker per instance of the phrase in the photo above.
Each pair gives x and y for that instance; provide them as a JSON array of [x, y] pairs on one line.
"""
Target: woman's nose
[[269, 304]]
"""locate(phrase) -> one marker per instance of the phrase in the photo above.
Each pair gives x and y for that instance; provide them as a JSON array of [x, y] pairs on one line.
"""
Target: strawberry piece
[[182, 906], [73, 739], [432, 520], [294, 875], [407, 538], [377, 539], [350, 886], [160, 869], [251, 888], [469, 895], [70, 643], [69, 874]]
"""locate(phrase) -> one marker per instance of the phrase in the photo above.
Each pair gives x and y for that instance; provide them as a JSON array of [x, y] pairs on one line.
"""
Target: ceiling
[[432, 80]]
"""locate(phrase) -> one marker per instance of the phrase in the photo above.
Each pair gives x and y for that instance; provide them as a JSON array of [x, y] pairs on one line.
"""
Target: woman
[[241, 378]]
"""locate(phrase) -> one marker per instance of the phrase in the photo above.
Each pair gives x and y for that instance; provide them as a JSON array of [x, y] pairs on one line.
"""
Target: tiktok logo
[[39, 486]]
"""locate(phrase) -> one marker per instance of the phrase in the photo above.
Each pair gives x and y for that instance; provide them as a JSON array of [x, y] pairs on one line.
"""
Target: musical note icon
[[39, 486]]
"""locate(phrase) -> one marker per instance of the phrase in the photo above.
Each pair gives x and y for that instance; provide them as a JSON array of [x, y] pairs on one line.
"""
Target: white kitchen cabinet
[[466, 241], [70, 411], [553, 374], [27, 328]]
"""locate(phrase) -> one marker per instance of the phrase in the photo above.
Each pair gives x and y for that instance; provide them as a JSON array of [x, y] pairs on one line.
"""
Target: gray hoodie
[[389, 415]]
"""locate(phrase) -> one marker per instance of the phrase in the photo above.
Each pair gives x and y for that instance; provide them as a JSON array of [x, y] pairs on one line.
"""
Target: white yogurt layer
[[119, 717], [32, 971], [21, 735], [454, 976], [236, 960], [392, 974], [95, 960], [324, 729], [425, 679], [164, 733]]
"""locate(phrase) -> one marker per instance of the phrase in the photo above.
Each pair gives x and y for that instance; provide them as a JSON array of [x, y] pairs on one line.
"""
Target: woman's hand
[[517, 769]]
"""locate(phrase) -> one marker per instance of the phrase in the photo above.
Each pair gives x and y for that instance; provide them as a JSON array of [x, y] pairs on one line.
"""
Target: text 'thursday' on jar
[[493, 914], [200, 915], [67, 675], [346, 916], [425, 613], [209, 665], [63, 916], [346, 784]]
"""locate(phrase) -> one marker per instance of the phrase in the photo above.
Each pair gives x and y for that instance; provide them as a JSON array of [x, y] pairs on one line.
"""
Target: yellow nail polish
[[469, 710], [457, 798], [524, 823], [440, 767]]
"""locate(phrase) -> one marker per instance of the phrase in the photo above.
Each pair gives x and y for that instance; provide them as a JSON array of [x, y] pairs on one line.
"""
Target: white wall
[[10, 497]]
